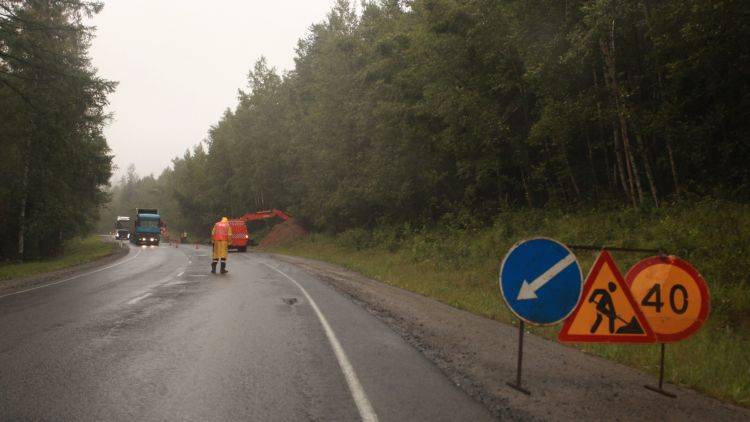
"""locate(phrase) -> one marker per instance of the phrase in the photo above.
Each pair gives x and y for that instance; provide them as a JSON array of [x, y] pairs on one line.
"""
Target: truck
[[122, 228], [240, 237], [147, 227]]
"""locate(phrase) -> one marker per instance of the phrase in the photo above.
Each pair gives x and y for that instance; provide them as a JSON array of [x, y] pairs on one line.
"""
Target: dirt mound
[[283, 233]]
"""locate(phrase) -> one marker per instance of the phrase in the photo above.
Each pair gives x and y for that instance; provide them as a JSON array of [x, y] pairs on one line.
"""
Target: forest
[[427, 112], [55, 161], [421, 112]]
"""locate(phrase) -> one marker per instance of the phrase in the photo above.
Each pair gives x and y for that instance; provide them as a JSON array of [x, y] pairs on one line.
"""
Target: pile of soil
[[283, 233]]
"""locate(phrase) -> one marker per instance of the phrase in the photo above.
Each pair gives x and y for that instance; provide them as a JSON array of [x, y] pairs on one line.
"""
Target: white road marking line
[[73, 278], [138, 299], [366, 412], [197, 275]]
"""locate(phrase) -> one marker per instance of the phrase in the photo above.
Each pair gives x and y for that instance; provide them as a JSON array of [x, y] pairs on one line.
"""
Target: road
[[155, 336]]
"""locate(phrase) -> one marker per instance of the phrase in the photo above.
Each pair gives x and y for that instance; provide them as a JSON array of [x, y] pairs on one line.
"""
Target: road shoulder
[[13, 285], [479, 355]]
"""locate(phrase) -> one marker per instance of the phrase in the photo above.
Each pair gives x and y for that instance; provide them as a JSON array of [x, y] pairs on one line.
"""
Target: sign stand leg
[[517, 384], [660, 388]]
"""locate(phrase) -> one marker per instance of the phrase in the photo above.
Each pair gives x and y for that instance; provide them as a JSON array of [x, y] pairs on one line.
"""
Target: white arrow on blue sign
[[541, 281]]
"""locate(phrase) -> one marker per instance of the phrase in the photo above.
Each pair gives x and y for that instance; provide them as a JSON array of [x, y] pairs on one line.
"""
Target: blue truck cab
[[147, 227]]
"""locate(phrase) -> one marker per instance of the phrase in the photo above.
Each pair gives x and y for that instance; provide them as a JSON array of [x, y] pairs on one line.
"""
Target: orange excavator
[[240, 236], [263, 215]]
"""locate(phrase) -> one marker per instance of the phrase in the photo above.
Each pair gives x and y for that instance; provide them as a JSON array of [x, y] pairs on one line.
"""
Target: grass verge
[[459, 267], [77, 251]]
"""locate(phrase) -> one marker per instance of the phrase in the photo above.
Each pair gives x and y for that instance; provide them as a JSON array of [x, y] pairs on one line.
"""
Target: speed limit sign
[[672, 294]]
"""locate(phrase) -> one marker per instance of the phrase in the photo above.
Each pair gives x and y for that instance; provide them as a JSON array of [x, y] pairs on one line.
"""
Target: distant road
[[155, 336]]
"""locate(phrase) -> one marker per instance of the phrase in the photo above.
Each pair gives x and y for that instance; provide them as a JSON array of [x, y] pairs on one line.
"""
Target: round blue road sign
[[541, 281]]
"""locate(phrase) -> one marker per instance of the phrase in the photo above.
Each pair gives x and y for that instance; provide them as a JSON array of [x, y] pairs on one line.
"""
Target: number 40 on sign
[[672, 295]]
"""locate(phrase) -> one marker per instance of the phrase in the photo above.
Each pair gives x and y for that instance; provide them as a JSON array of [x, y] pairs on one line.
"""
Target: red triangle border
[[565, 337]]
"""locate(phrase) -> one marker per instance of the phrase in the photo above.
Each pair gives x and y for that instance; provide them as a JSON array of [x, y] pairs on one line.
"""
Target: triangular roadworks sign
[[606, 312]]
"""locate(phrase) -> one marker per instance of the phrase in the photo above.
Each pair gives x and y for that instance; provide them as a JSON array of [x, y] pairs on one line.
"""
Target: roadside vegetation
[[460, 267], [76, 251], [56, 161]]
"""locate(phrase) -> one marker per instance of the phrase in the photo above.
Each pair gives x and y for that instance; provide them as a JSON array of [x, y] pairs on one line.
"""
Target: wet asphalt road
[[154, 336]]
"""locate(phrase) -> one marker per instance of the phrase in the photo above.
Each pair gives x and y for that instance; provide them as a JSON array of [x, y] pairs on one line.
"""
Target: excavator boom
[[262, 215]]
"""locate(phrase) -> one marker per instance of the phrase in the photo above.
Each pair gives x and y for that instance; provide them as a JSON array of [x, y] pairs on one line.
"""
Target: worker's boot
[[213, 267], [224, 267]]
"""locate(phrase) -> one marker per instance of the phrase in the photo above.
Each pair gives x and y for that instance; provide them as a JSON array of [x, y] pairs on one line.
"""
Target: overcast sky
[[180, 62]]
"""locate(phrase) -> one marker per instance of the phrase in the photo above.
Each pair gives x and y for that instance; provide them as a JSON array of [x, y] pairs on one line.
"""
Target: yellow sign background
[[630, 326]]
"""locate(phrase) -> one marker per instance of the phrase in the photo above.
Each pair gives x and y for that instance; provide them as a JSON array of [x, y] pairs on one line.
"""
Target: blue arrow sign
[[541, 281]]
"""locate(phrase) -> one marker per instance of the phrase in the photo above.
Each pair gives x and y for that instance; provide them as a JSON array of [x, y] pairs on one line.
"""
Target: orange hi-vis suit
[[220, 235]]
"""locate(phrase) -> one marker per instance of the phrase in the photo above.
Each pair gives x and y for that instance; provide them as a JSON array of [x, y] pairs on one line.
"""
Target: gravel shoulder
[[15, 284], [479, 355]]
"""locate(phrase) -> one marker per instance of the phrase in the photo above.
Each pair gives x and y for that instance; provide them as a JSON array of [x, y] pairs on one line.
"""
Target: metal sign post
[[614, 248], [674, 298], [517, 384], [540, 281], [660, 388]]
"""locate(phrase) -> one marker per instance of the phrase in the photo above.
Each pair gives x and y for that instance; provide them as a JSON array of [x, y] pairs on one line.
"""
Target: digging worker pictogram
[[220, 235], [605, 307]]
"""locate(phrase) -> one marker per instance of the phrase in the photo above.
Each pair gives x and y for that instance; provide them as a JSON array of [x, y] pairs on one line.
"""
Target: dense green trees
[[55, 159], [428, 110]]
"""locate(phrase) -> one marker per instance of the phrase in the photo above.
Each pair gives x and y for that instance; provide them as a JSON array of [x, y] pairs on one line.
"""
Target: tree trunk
[[647, 167], [611, 175], [594, 179], [629, 195], [673, 168], [608, 51], [615, 169], [636, 177], [611, 181], [24, 200], [621, 165], [526, 191], [573, 179], [502, 197]]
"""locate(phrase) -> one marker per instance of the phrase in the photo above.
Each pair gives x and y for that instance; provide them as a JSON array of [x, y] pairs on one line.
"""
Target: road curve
[[157, 337]]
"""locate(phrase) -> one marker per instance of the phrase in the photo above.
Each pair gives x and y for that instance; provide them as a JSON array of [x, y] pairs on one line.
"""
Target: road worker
[[220, 235]]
